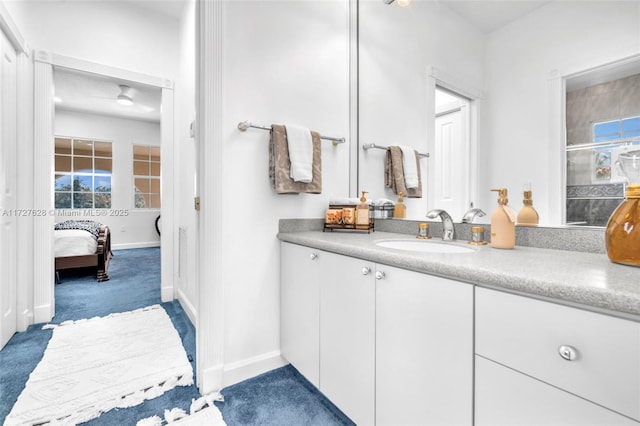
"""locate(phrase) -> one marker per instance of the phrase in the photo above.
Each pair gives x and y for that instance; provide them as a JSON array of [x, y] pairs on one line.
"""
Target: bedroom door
[[8, 182]]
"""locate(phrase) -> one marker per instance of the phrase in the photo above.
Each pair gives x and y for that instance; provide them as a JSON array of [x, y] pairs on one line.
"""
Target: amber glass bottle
[[622, 237]]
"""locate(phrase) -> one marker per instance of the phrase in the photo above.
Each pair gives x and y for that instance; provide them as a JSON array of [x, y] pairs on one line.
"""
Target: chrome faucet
[[448, 230], [471, 214]]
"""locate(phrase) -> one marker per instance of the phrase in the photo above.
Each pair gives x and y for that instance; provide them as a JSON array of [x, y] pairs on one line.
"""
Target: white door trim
[[44, 304], [211, 180]]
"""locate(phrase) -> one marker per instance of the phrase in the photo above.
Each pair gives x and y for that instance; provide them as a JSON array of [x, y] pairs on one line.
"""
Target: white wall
[[284, 62], [114, 33], [137, 227], [397, 47], [524, 61]]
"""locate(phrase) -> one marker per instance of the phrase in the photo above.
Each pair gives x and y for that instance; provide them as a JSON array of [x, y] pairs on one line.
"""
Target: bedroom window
[[82, 173], [146, 176]]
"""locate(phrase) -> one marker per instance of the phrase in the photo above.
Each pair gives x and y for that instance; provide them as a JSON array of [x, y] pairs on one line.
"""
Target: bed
[[82, 244]]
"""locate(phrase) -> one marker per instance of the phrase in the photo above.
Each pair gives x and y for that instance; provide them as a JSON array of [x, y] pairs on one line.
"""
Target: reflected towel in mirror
[[394, 173]]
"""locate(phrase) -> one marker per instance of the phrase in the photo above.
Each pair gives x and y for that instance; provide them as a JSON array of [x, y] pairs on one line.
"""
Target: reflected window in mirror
[[602, 121], [82, 173]]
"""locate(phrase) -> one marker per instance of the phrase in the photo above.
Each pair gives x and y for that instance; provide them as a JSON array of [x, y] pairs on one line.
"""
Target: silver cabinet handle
[[568, 352], [314, 256], [379, 275], [366, 270]]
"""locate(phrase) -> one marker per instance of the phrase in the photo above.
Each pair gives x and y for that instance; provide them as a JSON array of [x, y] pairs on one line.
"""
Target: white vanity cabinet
[[542, 363], [424, 349], [394, 347], [300, 269], [327, 325]]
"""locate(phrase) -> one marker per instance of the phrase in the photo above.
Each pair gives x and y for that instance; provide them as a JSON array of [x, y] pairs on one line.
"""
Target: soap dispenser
[[528, 216], [400, 211], [503, 226], [362, 212]]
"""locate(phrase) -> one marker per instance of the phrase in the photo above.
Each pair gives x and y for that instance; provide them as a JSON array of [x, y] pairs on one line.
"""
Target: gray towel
[[280, 165], [394, 174]]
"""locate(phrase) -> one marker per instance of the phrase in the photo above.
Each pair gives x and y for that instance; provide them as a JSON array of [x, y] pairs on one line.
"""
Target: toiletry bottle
[[528, 216], [362, 212], [400, 211], [503, 226]]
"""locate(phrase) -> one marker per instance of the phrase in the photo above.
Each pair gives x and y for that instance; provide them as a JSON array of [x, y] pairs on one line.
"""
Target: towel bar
[[373, 145], [244, 125]]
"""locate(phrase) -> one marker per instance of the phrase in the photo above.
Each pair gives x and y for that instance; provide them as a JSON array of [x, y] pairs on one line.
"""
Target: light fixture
[[124, 98], [401, 3]]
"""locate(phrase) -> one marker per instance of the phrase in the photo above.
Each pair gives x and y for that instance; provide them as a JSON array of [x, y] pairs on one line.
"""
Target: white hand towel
[[410, 167], [300, 153]]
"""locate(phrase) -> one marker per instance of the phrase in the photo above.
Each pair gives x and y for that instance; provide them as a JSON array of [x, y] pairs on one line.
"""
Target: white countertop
[[580, 279]]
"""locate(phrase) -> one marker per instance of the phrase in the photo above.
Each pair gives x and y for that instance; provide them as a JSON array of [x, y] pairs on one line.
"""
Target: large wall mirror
[[523, 68]]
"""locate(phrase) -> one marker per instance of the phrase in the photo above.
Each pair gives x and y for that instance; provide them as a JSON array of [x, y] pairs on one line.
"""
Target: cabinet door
[[347, 333], [300, 308], [507, 397], [424, 349]]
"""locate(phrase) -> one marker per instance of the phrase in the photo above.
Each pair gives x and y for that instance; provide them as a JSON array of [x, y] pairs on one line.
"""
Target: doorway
[[452, 158], [45, 62]]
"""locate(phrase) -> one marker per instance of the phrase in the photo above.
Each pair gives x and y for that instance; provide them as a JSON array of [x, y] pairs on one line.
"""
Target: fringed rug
[[92, 366], [202, 412]]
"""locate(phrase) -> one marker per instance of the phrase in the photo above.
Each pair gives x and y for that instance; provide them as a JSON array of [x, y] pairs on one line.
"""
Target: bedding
[[74, 242]]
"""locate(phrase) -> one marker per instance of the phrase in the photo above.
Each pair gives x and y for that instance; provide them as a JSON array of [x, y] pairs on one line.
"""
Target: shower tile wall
[[590, 198]]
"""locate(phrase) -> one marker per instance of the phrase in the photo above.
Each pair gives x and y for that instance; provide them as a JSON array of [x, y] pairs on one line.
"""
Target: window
[[616, 129], [146, 176], [82, 173]]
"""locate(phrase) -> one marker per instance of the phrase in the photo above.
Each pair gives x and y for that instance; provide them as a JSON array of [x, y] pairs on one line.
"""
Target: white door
[[451, 159], [8, 214]]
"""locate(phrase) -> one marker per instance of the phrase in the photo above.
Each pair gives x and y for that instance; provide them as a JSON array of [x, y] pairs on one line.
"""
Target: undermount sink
[[424, 246]]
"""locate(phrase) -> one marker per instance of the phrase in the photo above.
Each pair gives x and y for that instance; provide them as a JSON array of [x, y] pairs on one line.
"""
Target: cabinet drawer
[[527, 334], [534, 404]]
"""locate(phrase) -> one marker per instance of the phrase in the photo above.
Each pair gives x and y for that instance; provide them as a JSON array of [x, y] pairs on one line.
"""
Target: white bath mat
[[92, 366], [203, 412]]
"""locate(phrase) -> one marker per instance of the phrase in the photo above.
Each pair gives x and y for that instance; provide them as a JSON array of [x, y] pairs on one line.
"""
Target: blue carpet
[[279, 397], [134, 282]]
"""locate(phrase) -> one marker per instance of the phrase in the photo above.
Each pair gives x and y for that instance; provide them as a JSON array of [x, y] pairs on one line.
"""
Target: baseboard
[[42, 313], [125, 246], [210, 380], [25, 319], [238, 371], [187, 306], [167, 294]]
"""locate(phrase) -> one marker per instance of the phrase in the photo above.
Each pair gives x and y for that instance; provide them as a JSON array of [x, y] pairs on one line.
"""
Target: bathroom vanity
[[487, 337]]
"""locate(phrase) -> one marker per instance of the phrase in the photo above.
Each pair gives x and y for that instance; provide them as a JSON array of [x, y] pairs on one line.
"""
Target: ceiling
[[93, 93], [170, 8], [489, 15], [80, 91]]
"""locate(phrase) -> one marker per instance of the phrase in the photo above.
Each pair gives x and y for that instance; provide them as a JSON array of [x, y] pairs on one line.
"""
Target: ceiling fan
[[124, 98]]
